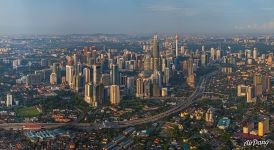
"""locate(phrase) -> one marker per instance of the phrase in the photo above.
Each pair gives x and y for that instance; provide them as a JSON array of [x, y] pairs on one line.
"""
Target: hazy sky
[[136, 16]]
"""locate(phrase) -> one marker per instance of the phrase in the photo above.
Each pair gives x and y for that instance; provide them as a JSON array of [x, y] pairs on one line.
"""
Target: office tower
[[123, 81], [130, 85], [156, 54], [115, 75], [190, 70], [139, 88], [130, 82], [76, 82], [86, 73], [120, 63], [69, 74], [266, 84], [204, 59], [212, 53], [114, 94], [53, 78], [203, 48], [104, 65], [183, 50], [176, 44], [97, 97], [147, 63], [218, 54], [105, 79], [88, 93], [248, 53], [261, 128], [106, 95], [257, 81], [167, 76], [164, 64], [56, 74], [9, 100], [79, 69], [96, 74], [88, 59], [54, 68], [249, 94], [255, 53], [147, 88], [75, 60]]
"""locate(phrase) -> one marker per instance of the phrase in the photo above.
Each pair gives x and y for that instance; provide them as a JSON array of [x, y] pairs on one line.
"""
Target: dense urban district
[[121, 92]]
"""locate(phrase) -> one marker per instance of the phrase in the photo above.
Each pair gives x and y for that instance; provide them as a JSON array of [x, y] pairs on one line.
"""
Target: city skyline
[[130, 17]]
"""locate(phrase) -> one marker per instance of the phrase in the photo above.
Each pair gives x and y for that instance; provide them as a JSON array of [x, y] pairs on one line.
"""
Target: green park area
[[27, 111]]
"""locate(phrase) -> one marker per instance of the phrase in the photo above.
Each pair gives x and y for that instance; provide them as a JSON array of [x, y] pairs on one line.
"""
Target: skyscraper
[[255, 53], [147, 88], [54, 68], [69, 74], [114, 94], [204, 58], [266, 84], [257, 81], [88, 93], [75, 60], [212, 54], [9, 100], [249, 94], [156, 54], [139, 88], [96, 74], [114, 75], [86, 73], [97, 94], [167, 74], [176, 45]]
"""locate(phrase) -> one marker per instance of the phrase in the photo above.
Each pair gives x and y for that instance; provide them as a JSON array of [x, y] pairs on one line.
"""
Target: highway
[[182, 104]]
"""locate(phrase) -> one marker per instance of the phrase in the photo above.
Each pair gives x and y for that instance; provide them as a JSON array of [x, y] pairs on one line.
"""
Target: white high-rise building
[[9, 100], [88, 93], [255, 53], [69, 74], [96, 74]]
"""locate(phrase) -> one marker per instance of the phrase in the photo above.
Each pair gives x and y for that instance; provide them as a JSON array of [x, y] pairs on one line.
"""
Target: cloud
[[173, 9], [268, 26]]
